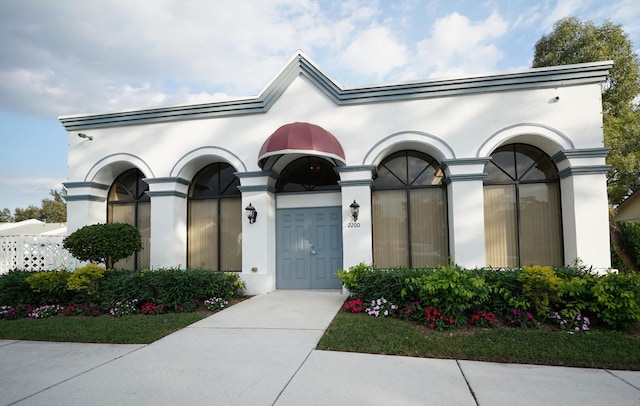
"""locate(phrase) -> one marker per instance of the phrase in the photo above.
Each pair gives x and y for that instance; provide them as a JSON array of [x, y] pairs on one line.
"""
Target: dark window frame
[[225, 190], [517, 181], [409, 184]]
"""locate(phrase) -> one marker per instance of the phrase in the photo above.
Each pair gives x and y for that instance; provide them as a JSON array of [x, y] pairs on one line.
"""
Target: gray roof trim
[[584, 170], [465, 177], [463, 161], [167, 193], [256, 174], [85, 198], [356, 168], [95, 185], [555, 76], [256, 188], [356, 182], [173, 179], [580, 153]]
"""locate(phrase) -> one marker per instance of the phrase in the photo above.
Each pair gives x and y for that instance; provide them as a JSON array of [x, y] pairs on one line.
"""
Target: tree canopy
[[51, 211], [574, 41]]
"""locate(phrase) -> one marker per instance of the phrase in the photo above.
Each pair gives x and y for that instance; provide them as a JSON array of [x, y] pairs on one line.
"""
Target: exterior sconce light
[[252, 214], [355, 210], [85, 136]]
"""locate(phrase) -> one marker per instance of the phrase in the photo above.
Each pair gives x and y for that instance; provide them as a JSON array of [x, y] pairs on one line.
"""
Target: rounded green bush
[[104, 243]]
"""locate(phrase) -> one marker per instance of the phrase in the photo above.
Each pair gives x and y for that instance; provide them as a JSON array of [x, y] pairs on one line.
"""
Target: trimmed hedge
[[104, 288]]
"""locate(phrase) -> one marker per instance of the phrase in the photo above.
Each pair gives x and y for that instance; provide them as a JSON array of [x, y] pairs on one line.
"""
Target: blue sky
[[78, 56]]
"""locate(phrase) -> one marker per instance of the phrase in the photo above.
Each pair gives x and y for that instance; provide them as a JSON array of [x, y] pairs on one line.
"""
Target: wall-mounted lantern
[[355, 210], [252, 213]]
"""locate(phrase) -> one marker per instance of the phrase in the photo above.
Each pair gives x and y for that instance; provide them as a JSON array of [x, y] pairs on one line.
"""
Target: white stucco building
[[502, 169]]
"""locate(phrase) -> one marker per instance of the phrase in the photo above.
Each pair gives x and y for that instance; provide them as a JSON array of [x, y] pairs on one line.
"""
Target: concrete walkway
[[262, 352]]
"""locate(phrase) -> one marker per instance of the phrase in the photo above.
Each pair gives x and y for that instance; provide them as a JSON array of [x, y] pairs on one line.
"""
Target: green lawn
[[595, 349], [366, 334], [139, 329]]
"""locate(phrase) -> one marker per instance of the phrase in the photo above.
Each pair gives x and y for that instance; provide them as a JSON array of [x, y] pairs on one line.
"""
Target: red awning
[[301, 138]]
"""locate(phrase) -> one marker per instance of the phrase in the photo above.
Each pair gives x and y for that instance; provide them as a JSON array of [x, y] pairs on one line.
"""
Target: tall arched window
[[128, 203], [523, 223], [409, 212], [215, 219]]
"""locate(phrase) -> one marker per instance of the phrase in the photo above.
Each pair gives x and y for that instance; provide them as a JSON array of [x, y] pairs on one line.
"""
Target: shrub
[[85, 279], [576, 292], [617, 299], [15, 290], [504, 288], [630, 232], [367, 283], [51, 285], [541, 286], [117, 286], [352, 279], [104, 243], [453, 290], [177, 286]]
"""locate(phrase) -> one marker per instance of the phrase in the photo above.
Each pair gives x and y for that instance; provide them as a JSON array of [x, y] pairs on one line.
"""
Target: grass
[[366, 334], [595, 349], [138, 329]]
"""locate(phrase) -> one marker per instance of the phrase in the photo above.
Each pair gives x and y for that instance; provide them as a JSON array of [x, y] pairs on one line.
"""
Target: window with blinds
[[522, 217]]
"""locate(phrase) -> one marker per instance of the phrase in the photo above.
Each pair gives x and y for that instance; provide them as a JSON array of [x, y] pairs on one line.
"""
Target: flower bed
[[570, 298]]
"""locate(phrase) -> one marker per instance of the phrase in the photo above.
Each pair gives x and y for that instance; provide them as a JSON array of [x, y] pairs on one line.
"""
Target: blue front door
[[309, 248]]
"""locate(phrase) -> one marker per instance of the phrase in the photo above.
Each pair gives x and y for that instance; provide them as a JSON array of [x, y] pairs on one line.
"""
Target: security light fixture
[[355, 210], [252, 213], [85, 136]]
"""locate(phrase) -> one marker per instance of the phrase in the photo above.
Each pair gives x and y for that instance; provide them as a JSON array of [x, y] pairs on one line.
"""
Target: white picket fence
[[34, 253]]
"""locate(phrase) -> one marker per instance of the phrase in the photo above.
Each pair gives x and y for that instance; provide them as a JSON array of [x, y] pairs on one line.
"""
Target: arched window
[[128, 203], [308, 174], [409, 212], [215, 219], [523, 223]]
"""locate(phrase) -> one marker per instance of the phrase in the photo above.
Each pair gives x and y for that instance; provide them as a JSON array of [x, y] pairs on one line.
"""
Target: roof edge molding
[[300, 64]]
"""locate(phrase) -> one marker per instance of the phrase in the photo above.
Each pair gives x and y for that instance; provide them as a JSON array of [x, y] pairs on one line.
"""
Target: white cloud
[[374, 52], [563, 8], [78, 56], [458, 46]]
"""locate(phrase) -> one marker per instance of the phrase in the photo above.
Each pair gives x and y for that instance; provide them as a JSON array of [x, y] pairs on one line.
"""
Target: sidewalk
[[261, 352]]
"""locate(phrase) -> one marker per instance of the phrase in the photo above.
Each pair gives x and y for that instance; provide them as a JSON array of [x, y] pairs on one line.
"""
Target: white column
[[585, 206], [168, 222], [86, 204], [259, 238], [357, 242], [466, 210]]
